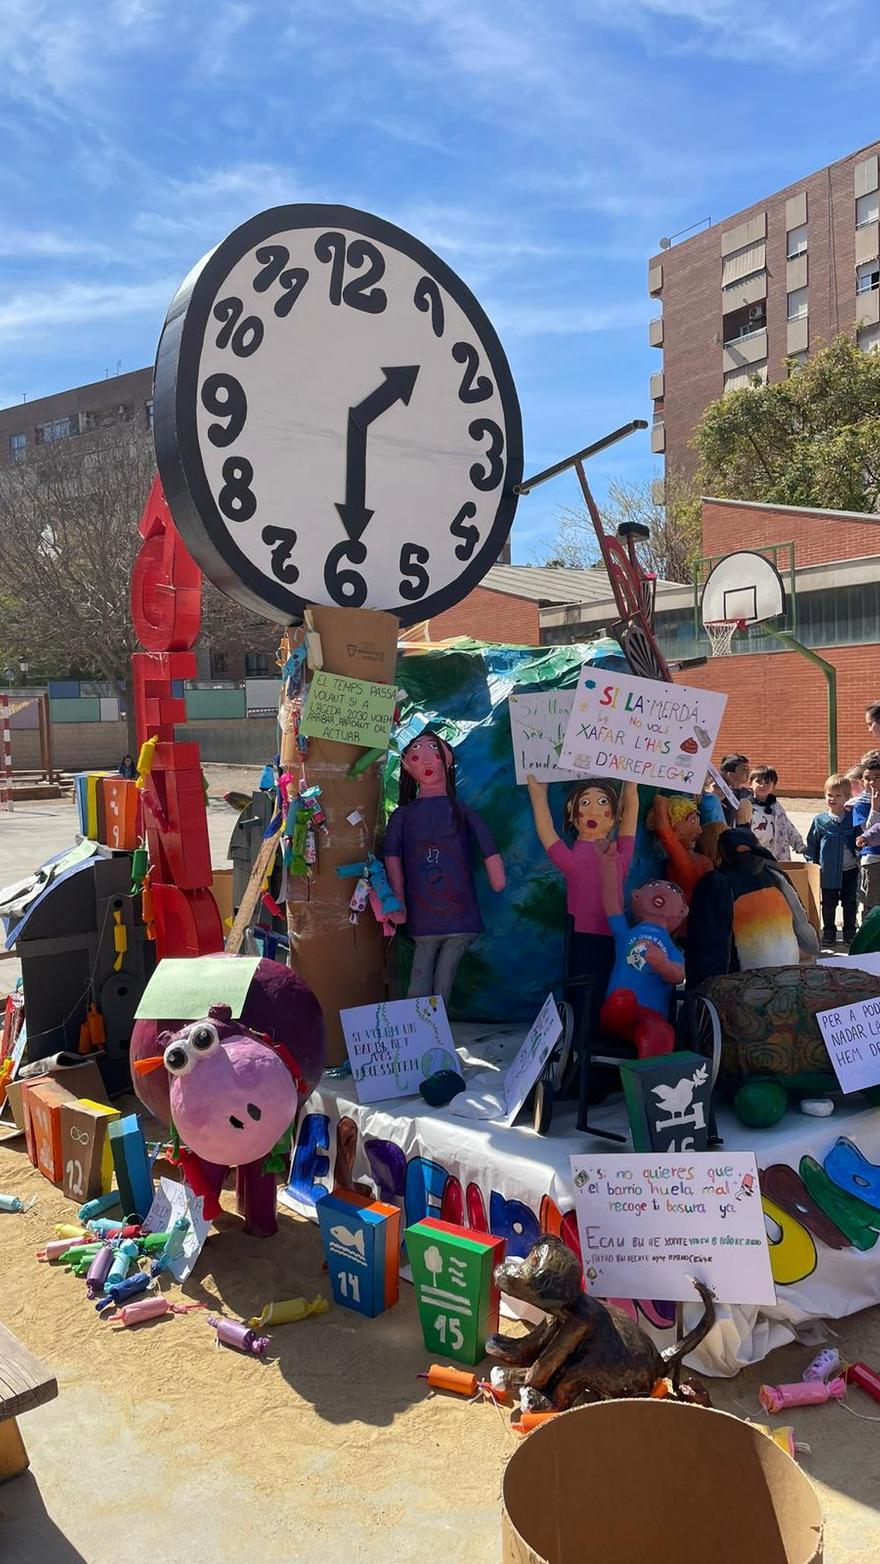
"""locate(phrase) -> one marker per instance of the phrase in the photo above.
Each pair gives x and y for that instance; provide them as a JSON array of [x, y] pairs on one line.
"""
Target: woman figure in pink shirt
[[590, 813]]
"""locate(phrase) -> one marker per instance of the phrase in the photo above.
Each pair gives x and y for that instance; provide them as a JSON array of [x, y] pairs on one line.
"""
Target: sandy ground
[[162, 1445]]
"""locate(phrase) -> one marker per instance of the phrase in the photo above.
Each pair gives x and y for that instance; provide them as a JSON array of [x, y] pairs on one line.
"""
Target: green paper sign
[[185, 989], [349, 711]]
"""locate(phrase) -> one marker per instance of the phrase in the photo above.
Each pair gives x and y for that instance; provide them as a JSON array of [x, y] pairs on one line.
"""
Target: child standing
[[831, 843], [854, 778], [770, 823], [864, 814]]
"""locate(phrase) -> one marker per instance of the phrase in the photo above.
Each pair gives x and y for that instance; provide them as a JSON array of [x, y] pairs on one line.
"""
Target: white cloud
[[213, 201], [514, 319], [795, 34], [36, 313], [45, 244]]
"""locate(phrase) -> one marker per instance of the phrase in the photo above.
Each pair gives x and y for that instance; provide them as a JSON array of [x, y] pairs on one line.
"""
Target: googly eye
[[178, 1059], [204, 1037]]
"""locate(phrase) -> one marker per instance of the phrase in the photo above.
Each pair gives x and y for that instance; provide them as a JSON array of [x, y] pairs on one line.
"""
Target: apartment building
[[766, 285], [26, 427]]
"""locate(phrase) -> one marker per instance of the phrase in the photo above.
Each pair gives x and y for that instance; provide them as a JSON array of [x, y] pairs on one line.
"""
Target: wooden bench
[[24, 1383]]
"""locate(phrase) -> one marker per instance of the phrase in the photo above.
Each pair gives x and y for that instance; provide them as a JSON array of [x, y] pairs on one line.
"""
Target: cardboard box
[[86, 1158], [120, 805], [81, 1080], [43, 1103], [805, 879], [453, 1274], [714, 1488], [361, 1241], [221, 890], [134, 1178]]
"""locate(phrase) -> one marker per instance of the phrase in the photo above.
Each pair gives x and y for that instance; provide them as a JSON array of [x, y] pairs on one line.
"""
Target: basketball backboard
[[746, 588]]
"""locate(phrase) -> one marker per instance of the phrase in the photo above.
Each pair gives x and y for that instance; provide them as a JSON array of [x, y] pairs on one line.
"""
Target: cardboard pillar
[[343, 963]]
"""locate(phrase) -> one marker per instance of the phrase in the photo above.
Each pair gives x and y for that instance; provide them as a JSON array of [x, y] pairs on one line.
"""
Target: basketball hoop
[[721, 634]]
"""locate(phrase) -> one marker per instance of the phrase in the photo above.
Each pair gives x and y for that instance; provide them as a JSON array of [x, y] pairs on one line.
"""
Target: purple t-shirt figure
[[436, 852]]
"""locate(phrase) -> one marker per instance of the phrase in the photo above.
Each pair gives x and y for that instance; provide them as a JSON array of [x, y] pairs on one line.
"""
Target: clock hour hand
[[397, 386]]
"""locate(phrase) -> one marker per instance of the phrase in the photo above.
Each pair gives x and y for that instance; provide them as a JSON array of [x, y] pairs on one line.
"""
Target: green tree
[[674, 527], [811, 439], [68, 540]]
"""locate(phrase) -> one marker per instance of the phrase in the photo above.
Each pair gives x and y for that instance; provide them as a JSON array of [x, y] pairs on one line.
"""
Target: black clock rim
[[175, 389]]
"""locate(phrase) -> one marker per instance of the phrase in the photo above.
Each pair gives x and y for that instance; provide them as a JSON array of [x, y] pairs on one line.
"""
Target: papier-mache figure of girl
[[591, 811], [428, 853]]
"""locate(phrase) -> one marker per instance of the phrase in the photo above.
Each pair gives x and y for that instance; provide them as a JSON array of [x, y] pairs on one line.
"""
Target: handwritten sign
[[538, 723], [349, 711], [535, 1050], [852, 1037], [648, 1224], [394, 1046], [641, 730], [174, 1202]]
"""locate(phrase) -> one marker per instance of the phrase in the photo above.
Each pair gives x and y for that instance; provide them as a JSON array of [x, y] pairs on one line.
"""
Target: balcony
[[658, 437], [749, 349], [655, 332], [656, 384], [655, 281]]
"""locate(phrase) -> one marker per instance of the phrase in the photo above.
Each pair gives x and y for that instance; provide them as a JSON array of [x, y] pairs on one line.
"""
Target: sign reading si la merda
[[335, 419], [642, 730], [852, 1037]]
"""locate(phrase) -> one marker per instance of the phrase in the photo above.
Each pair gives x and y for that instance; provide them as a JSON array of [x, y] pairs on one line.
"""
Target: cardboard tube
[[344, 964]]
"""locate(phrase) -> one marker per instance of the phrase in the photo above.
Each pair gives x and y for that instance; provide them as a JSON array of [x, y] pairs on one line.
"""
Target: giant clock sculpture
[[335, 419]]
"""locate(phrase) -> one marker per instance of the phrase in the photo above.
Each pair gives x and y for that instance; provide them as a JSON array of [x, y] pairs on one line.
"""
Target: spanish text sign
[[641, 730], [395, 1045], [648, 1224], [852, 1037], [349, 711]]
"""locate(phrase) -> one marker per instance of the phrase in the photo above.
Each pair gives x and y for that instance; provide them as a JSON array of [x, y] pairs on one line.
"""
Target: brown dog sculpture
[[583, 1345]]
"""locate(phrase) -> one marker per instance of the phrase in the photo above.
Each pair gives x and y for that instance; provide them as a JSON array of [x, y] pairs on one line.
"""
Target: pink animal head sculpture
[[233, 1095]]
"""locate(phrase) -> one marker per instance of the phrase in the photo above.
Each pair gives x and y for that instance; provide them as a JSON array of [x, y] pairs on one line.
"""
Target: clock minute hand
[[397, 386]]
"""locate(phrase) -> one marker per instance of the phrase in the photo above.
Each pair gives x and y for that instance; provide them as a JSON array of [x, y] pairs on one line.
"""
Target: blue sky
[[541, 148]]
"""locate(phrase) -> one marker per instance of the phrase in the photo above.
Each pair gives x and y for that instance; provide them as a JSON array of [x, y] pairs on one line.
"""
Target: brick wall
[[490, 616], [777, 714], [818, 539], [692, 301], [76, 746]]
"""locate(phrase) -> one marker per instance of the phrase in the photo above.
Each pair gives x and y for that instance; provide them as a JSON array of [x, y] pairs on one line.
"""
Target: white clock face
[[335, 419]]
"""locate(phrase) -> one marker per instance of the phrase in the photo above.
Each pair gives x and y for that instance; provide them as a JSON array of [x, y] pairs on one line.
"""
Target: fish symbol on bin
[[345, 1241]]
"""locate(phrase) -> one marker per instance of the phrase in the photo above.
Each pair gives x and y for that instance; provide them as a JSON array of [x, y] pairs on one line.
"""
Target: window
[[867, 276], [868, 339], [796, 242], [219, 664], [148, 407], [743, 322], [17, 447], [868, 209], [57, 429], [797, 304], [256, 663]]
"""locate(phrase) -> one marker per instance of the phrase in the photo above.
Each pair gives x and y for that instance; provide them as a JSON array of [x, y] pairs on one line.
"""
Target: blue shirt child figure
[[647, 962]]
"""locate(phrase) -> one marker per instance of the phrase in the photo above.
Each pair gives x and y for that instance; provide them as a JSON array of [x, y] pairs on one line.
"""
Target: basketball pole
[[829, 673]]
